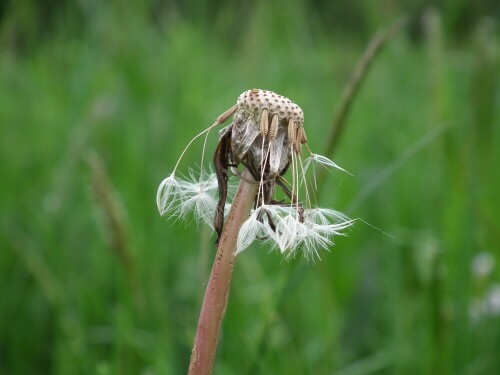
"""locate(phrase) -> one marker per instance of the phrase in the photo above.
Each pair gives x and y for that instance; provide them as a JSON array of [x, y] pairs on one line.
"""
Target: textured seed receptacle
[[257, 100], [267, 128]]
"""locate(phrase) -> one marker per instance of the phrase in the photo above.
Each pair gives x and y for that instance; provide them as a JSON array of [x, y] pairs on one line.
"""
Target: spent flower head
[[266, 136]]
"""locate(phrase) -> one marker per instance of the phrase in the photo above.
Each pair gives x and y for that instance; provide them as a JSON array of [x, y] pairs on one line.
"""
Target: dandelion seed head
[[266, 136]]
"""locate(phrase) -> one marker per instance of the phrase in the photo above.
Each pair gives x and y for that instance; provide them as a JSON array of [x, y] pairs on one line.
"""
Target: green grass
[[135, 93]]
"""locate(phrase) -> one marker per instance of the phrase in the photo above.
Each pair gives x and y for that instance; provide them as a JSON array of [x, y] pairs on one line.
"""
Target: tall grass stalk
[[115, 222], [373, 49]]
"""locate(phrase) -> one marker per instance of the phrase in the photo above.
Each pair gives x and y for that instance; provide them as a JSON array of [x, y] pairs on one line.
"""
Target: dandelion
[[266, 137]]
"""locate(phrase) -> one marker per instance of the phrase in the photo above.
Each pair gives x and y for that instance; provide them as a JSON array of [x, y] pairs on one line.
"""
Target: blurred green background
[[97, 100]]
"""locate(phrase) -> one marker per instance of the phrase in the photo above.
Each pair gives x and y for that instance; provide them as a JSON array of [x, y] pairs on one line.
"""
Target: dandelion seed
[[259, 226], [314, 238], [207, 182], [201, 204], [329, 231], [197, 197], [286, 234], [249, 231], [316, 159], [167, 194], [325, 216]]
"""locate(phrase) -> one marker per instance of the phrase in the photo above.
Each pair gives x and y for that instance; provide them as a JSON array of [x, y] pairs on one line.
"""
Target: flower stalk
[[217, 291], [266, 136]]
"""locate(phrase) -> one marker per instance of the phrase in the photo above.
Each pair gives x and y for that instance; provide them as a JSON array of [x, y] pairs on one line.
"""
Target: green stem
[[217, 292], [375, 46]]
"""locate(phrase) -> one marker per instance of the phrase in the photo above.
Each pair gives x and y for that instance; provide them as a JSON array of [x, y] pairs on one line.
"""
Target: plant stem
[[217, 292], [375, 46]]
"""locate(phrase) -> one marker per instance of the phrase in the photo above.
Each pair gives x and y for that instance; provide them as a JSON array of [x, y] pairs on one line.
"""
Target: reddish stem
[[217, 292]]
